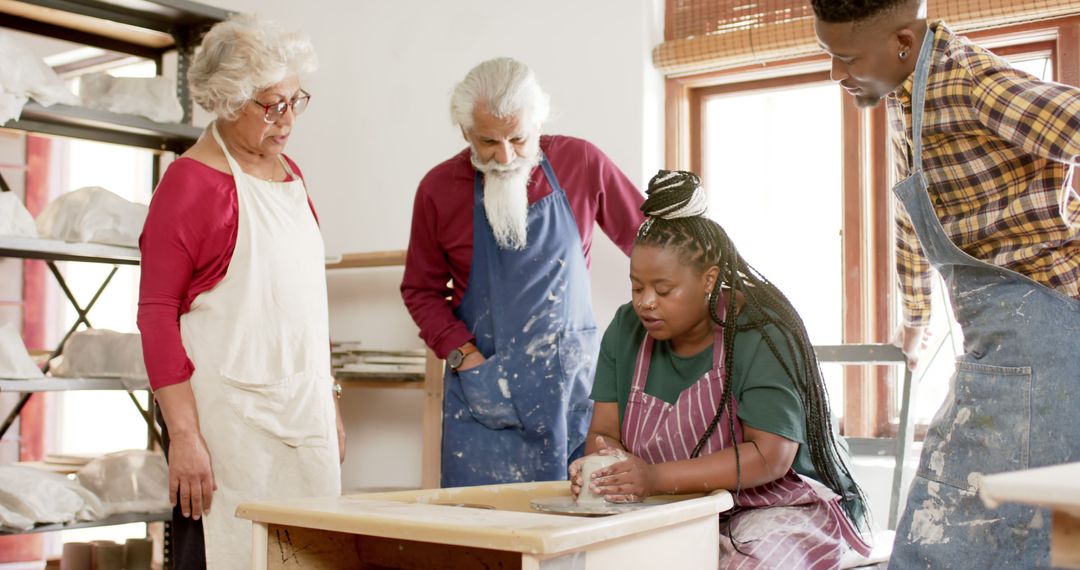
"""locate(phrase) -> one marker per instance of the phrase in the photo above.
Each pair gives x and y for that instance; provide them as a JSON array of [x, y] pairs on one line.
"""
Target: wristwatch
[[457, 356]]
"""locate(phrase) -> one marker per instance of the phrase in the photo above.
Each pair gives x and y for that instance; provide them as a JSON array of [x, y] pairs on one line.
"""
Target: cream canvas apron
[[262, 382]]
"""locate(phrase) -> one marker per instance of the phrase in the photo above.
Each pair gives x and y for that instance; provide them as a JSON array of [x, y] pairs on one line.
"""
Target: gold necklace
[[273, 172]]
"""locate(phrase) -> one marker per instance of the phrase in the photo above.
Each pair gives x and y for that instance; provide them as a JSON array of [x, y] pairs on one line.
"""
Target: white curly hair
[[506, 87], [241, 56]]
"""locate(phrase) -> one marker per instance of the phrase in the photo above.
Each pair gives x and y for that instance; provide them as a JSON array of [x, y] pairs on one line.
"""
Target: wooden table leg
[[433, 399], [1065, 541], [258, 546]]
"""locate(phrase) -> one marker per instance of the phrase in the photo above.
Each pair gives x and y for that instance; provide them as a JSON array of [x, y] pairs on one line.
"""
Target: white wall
[[378, 121]]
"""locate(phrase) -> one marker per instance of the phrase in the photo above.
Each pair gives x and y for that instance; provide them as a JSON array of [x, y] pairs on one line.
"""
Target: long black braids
[[676, 220]]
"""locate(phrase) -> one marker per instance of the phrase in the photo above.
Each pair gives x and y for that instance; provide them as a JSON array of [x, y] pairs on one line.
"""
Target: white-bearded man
[[508, 222]]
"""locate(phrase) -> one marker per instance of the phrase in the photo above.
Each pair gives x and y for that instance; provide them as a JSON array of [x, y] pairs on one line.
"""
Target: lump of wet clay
[[592, 464]]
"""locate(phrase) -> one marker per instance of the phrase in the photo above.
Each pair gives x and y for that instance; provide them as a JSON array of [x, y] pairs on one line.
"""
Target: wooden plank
[[431, 449], [1068, 64], [881, 289], [86, 24], [389, 376], [347, 382], [369, 259], [677, 126], [291, 547], [1065, 541], [858, 393], [1068, 54], [260, 545]]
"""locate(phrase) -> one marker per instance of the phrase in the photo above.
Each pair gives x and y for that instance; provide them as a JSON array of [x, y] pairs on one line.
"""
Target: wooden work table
[[1056, 488], [443, 529]]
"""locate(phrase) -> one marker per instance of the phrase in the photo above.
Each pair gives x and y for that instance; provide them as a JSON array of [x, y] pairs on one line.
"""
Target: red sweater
[[186, 244], [441, 242]]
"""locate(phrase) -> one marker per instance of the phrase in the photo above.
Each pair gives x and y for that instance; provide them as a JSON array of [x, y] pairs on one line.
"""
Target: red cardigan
[[186, 244]]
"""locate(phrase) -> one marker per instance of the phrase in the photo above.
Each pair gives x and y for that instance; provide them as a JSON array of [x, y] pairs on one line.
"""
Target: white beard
[[506, 199]]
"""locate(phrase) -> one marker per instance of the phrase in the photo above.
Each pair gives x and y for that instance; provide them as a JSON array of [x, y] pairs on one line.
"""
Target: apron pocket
[[292, 409], [488, 393], [986, 430]]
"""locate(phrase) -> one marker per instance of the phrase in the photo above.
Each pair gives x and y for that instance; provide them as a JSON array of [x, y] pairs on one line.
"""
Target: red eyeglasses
[[272, 113]]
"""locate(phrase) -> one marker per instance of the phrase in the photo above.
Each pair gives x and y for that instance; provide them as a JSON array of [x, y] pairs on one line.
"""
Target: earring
[[904, 54]]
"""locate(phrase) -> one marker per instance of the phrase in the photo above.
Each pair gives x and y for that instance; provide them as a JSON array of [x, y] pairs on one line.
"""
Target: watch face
[[455, 358]]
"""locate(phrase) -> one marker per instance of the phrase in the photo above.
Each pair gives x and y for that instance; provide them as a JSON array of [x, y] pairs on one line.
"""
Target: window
[[773, 174]]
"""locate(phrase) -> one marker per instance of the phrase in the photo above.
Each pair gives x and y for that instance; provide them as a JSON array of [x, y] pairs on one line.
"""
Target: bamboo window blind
[[710, 35]]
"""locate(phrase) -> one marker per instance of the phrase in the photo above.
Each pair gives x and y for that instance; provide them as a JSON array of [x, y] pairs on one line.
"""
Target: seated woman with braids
[[706, 381]]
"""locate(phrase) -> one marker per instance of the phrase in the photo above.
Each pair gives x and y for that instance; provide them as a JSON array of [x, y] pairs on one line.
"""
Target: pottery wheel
[[568, 506]]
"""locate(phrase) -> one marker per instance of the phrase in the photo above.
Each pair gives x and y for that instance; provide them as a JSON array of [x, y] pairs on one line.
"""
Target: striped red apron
[[789, 523]]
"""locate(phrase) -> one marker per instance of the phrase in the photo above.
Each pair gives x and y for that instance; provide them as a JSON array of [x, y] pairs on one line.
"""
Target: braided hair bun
[[675, 194]]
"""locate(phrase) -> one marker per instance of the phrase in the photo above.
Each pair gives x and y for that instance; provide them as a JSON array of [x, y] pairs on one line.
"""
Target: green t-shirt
[[765, 397]]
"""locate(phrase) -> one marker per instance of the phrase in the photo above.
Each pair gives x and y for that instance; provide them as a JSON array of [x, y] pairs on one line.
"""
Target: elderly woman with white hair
[[510, 221], [232, 305]]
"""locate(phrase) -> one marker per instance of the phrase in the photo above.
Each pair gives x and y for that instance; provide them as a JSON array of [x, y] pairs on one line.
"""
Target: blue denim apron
[[1014, 401], [524, 413]]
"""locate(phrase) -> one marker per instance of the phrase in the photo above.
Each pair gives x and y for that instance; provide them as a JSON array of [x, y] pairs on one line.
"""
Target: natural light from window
[[772, 167]]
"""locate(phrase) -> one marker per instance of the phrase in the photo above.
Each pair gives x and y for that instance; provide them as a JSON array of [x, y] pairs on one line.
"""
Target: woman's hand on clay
[[603, 448], [628, 481], [575, 476]]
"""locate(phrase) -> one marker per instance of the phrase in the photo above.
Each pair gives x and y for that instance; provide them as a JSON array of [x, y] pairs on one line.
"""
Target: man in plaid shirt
[[986, 156]]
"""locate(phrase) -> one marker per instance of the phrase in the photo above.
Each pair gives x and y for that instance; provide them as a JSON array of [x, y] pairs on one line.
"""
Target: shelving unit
[[431, 382], [52, 384], [107, 521], [53, 250], [92, 124], [148, 29]]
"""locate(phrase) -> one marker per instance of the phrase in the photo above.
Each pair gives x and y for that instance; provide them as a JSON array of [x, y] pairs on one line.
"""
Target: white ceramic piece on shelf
[[101, 353], [45, 497], [590, 465], [11, 520], [15, 362], [23, 75], [93, 214], [11, 106], [133, 481], [150, 97], [15, 220]]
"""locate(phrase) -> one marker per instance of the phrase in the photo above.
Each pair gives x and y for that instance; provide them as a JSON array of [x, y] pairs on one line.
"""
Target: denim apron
[[1014, 401], [524, 413]]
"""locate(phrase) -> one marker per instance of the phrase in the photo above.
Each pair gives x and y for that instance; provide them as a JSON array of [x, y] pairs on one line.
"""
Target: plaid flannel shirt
[[999, 151]]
